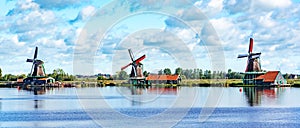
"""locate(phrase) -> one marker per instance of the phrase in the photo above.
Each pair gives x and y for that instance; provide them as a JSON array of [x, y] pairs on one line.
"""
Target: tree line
[[57, 74], [188, 74], [198, 73]]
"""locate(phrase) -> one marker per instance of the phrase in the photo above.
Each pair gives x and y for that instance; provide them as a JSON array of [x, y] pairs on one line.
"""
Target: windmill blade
[[126, 66], [242, 55], [131, 54], [255, 56], [247, 66], [250, 45], [137, 61], [35, 53], [29, 60], [133, 72], [32, 69]]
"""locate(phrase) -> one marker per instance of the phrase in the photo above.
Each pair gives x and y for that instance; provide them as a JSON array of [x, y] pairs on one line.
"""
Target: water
[[152, 107]]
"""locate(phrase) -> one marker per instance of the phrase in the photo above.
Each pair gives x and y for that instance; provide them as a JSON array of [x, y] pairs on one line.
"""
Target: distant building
[[105, 76], [270, 78], [39, 81], [163, 79], [290, 76]]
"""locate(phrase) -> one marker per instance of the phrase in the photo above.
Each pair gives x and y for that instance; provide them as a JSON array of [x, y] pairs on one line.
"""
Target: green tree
[[0, 72], [167, 71], [209, 76], [145, 73], [10, 77], [60, 75], [229, 74], [178, 71], [122, 75], [200, 74], [100, 78], [22, 76]]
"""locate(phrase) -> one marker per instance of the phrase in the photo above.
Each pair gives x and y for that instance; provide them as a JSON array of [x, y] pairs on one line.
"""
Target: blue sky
[[57, 27]]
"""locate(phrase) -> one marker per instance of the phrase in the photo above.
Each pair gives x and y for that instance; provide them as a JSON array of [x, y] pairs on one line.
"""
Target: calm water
[[152, 107]]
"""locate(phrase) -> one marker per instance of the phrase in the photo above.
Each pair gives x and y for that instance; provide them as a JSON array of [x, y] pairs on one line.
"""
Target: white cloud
[[16, 41], [211, 8], [274, 3], [273, 48], [267, 21]]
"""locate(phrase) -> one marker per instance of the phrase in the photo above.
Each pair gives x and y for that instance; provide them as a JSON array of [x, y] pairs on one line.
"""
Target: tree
[[22, 76], [60, 75], [10, 77], [167, 71], [100, 78], [0, 72], [209, 74], [178, 71], [200, 74], [229, 74], [145, 73], [122, 75]]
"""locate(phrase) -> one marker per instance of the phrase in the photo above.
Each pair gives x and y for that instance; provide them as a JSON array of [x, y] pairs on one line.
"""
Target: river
[[151, 107]]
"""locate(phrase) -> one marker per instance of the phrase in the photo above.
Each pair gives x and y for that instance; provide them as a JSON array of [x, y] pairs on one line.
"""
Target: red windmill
[[253, 63], [137, 66]]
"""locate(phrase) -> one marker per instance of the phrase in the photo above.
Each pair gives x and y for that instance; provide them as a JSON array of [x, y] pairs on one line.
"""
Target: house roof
[[270, 76], [162, 77]]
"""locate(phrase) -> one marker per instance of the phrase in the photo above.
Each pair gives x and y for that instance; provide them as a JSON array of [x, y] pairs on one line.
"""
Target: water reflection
[[38, 104], [135, 90], [255, 95], [139, 96], [164, 91]]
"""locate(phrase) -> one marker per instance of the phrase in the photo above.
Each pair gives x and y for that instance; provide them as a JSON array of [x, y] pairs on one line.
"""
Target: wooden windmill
[[37, 69], [136, 70], [136, 74], [253, 63]]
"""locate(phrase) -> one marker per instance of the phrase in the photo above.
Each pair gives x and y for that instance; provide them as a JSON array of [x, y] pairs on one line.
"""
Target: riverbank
[[189, 83]]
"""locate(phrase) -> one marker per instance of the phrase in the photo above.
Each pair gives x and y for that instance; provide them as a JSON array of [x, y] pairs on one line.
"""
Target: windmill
[[37, 69], [253, 63], [137, 67]]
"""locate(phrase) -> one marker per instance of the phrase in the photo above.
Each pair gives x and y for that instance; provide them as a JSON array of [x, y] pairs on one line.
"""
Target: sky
[[92, 36]]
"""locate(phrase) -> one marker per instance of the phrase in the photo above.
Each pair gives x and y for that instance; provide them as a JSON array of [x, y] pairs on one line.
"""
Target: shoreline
[[185, 83]]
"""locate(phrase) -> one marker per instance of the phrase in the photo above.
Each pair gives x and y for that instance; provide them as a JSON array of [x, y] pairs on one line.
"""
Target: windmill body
[[37, 74], [136, 74]]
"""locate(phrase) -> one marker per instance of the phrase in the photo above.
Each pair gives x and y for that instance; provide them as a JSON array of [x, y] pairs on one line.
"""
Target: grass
[[296, 83], [211, 82]]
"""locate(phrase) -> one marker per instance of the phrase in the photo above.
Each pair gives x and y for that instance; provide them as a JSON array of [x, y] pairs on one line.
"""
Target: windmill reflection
[[256, 94], [38, 104]]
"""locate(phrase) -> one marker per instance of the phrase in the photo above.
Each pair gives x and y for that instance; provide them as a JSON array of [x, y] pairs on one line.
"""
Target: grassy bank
[[294, 82], [212, 82], [190, 83]]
